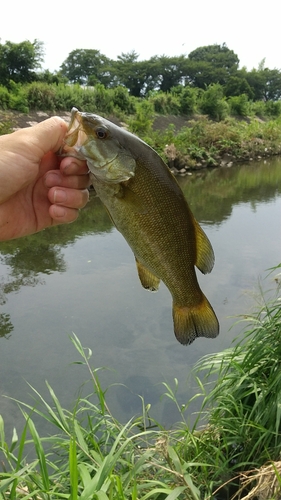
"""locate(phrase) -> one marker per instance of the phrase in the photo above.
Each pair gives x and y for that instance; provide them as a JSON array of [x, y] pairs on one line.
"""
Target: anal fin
[[148, 280]]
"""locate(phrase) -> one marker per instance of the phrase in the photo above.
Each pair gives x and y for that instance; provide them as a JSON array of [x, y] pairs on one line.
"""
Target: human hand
[[37, 188]]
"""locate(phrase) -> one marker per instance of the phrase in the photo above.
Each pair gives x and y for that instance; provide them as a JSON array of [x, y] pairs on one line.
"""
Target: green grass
[[234, 443]]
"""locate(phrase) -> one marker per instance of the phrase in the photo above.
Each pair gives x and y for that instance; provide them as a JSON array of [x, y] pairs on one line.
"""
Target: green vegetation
[[234, 443], [204, 66], [205, 89], [210, 132]]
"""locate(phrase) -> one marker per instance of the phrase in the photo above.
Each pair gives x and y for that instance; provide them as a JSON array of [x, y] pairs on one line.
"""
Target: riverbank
[[233, 446], [186, 144]]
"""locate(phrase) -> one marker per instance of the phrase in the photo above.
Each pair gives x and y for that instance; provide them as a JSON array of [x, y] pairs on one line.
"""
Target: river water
[[81, 278]]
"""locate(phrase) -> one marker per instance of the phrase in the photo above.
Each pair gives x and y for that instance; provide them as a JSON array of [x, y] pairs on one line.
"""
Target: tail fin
[[196, 321]]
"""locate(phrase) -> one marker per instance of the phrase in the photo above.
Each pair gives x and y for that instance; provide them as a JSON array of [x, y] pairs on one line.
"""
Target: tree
[[201, 74], [219, 56], [238, 85], [130, 73], [170, 71], [18, 61], [86, 67], [266, 83], [210, 64], [272, 88]]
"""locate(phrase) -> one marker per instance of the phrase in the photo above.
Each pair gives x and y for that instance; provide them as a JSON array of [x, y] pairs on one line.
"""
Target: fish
[[148, 207]]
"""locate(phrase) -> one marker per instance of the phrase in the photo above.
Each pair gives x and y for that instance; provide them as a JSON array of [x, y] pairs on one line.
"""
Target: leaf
[[40, 453], [73, 470]]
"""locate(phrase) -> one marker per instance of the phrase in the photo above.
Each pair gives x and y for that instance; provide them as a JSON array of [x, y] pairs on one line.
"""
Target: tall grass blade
[[39, 452], [73, 469]]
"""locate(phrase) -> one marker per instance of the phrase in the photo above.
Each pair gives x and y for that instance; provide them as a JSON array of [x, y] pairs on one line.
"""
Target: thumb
[[22, 151], [46, 136]]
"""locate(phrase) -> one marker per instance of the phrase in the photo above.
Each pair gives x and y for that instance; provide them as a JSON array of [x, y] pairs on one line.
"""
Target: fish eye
[[101, 133]]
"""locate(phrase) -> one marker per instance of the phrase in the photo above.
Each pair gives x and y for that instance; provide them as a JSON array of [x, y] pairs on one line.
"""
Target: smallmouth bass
[[148, 207]]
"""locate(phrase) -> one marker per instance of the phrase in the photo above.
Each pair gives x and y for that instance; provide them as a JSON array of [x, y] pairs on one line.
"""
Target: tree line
[[203, 67]]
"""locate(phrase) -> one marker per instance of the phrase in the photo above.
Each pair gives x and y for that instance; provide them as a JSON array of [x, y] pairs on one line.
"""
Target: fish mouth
[[75, 137], [106, 163]]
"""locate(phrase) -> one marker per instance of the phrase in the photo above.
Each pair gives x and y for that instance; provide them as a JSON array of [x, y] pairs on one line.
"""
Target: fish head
[[91, 137]]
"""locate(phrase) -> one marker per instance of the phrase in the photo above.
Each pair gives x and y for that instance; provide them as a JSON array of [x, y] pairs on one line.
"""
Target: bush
[[188, 97], [103, 99], [239, 105], [142, 122], [258, 108], [5, 100], [122, 100], [68, 96], [41, 96], [165, 103], [18, 99], [213, 103], [273, 108]]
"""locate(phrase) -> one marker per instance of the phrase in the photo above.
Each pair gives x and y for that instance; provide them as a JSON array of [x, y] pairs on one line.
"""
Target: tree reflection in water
[[26, 260]]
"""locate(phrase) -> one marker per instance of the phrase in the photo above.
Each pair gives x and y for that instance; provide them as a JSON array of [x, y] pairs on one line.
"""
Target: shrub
[[4, 98], [41, 96], [273, 108], [142, 122], [68, 96], [165, 103], [103, 99], [239, 105], [213, 103], [122, 100], [188, 97], [18, 99], [258, 108]]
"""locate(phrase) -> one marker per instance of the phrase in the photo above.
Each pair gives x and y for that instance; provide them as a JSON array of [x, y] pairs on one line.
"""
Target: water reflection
[[82, 278], [213, 194]]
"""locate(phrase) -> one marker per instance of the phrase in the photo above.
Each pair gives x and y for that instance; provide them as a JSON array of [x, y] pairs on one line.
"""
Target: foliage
[[237, 85], [188, 98], [244, 404], [121, 100], [18, 100], [6, 127], [103, 99], [18, 61], [5, 98], [239, 105], [141, 123], [213, 102], [92, 455], [86, 66], [40, 96], [217, 55], [211, 64], [204, 66], [130, 73], [165, 103]]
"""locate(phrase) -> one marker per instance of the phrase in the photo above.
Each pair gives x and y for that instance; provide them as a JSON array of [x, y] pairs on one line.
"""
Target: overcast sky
[[150, 27]]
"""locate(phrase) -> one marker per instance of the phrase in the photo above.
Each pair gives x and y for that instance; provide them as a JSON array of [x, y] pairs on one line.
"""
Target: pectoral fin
[[205, 257], [148, 280], [132, 200]]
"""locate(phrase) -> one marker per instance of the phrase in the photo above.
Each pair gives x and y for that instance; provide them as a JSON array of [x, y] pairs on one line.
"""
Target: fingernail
[[69, 167], [59, 196], [52, 179], [59, 212]]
